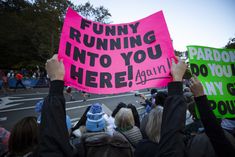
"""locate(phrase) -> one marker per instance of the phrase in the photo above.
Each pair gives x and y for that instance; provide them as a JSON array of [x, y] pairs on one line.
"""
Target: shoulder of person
[[147, 141], [135, 128], [199, 145], [146, 147], [230, 138], [105, 140], [95, 136]]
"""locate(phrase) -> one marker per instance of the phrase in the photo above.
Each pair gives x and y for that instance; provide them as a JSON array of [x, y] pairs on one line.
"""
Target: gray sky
[[190, 22]]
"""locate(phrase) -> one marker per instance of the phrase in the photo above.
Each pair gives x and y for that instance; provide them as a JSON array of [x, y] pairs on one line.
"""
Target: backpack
[[103, 145]]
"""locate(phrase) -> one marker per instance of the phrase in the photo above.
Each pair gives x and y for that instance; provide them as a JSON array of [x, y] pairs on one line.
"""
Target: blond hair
[[124, 119], [153, 126]]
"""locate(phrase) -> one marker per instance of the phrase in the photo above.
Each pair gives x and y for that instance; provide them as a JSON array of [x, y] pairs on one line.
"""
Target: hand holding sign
[[115, 58], [55, 68], [196, 86], [215, 69], [178, 70]]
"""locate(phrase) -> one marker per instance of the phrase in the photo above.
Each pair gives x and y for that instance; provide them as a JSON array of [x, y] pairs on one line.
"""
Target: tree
[[16, 30], [30, 32], [230, 44], [48, 24], [98, 14]]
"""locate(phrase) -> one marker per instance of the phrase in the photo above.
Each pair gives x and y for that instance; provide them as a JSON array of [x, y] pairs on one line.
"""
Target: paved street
[[21, 103]]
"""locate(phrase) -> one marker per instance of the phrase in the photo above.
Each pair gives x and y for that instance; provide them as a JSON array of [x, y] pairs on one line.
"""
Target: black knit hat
[[153, 91]]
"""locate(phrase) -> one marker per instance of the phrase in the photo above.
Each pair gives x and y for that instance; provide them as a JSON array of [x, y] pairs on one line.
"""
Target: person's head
[[153, 91], [135, 114], [4, 139], [119, 106], [153, 126], [24, 136], [95, 121], [124, 119], [160, 98], [68, 89]]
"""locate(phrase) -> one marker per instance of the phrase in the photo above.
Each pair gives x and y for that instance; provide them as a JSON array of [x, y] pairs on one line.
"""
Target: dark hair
[[153, 91], [24, 136], [160, 98], [82, 120], [135, 114], [119, 106]]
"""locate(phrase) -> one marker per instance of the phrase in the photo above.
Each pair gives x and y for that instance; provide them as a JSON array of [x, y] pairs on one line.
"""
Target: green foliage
[[15, 36], [231, 44], [98, 14], [30, 32]]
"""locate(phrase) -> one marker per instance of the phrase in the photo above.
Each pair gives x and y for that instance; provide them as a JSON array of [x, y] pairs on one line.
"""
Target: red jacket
[[19, 76]]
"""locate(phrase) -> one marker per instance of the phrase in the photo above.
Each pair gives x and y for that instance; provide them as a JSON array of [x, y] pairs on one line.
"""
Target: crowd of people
[[18, 75], [169, 127]]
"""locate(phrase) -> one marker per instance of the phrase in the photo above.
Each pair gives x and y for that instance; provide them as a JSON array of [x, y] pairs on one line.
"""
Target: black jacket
[[173, 122], [54, 137], [216, 134]]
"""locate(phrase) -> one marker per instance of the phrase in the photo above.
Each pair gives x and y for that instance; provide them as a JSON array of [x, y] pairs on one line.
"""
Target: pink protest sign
[[115, 58]]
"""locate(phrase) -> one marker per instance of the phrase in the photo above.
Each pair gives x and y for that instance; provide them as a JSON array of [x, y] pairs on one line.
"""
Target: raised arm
[[173, 120], [54, 137], [214, 131]]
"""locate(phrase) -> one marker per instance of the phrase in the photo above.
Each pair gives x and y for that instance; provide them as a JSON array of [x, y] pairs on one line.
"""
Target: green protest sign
[[215, 68]]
